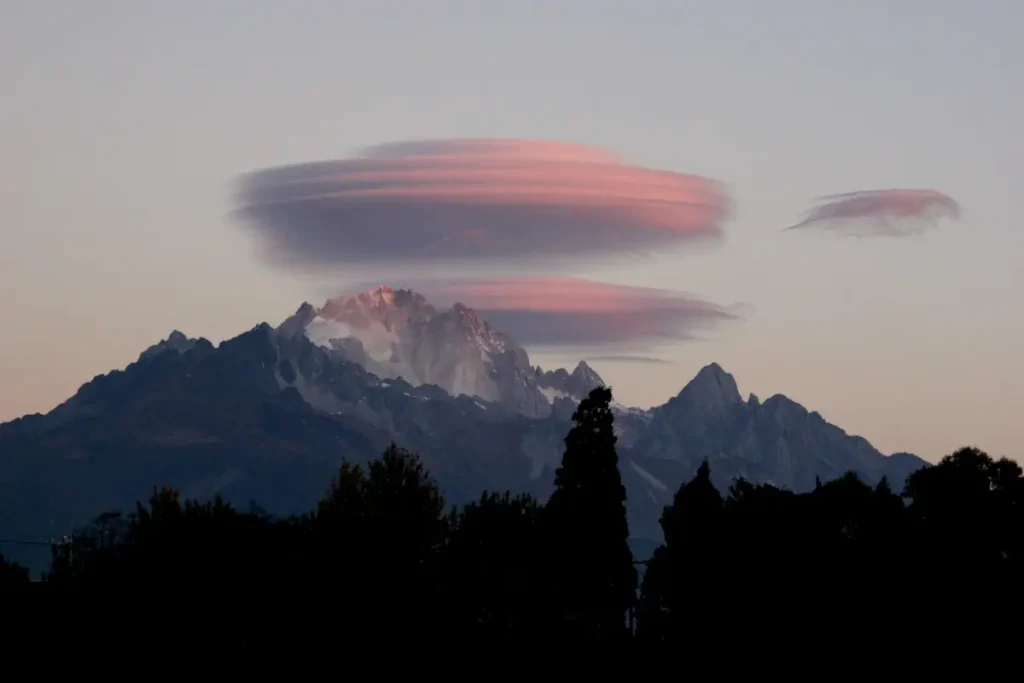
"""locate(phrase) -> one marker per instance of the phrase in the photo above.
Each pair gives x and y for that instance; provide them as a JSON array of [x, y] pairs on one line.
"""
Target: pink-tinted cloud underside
[[559, 294], [564, 310]]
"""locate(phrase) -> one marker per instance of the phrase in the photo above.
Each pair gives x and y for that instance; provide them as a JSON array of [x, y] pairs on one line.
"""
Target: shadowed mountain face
[[267, 416], [777, 442]]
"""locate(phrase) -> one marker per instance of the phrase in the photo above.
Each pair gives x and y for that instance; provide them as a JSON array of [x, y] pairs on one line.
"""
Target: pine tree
[[595, 580]]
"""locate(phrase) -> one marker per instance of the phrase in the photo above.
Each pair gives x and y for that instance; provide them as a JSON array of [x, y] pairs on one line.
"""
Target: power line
[[16, 541]]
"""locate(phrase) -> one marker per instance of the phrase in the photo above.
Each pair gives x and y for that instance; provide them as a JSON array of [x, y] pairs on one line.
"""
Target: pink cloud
[[886, 212], [471, 199], [578, 312]]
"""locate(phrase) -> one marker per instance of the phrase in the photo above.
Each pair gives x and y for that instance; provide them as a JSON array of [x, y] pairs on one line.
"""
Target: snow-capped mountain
[[267, 415], [399, 334]]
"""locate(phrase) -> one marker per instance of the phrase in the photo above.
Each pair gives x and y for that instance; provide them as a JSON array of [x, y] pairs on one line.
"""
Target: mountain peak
[[584, 376], [385, 296], [713, 386], [296, 323], [561, 383], [476, 328], [176, 341], [383, 299], [712, 369]]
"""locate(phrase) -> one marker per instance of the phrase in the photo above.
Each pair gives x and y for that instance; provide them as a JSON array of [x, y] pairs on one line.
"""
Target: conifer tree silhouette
[[594, 580]]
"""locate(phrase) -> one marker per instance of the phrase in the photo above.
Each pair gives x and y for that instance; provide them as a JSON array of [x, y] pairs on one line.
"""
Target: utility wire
[[15, 541]]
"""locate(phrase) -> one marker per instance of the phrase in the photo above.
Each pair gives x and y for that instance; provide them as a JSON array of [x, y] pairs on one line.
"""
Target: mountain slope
[[778, 441], [268, 415], [262, 417]]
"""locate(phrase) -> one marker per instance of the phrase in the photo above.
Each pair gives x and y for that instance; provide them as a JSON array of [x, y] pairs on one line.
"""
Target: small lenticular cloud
[[555, 311], [462, 200], [892, 213]]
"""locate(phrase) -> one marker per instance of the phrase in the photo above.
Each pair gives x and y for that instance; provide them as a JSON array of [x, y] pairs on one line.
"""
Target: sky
[[126, 126]]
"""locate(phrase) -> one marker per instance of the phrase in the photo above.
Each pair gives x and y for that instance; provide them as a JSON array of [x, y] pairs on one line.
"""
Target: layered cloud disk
[[471, 199], [552, 311], [881, 212]]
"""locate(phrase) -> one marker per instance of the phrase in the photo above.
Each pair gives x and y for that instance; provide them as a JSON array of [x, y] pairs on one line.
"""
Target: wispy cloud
[[895, 212], [639, 360], [555, 311], [464, 200]]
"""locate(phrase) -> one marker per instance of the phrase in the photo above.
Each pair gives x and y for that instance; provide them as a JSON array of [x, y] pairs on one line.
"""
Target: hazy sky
[[125, 125]]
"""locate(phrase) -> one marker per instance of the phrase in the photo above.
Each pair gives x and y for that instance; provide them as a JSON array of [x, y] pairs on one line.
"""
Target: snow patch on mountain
[[321, 331], [551, 393], [648, 477]]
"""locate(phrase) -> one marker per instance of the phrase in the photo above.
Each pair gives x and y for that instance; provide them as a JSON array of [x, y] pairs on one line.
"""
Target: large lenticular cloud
[[881, 212], [555, 311], [471, 199]]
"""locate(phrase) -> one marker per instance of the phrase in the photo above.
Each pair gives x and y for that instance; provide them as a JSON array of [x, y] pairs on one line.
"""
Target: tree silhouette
[[594, 581], [494, 568], [966, 521], [379, 534], [679, 593], [379, 558], [12, 576]]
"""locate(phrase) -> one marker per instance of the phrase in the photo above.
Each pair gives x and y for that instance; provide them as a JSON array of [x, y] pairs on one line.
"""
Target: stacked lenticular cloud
[[511, 203], [513, 206], [471, 199]]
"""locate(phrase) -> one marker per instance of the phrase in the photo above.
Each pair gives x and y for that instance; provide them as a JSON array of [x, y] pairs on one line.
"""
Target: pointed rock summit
[[560, 384], [585, 379], [176, 341], [306, 310], [712, 387], [298, 322]]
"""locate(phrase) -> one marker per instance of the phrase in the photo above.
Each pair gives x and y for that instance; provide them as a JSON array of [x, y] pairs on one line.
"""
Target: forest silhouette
[[382, 555]]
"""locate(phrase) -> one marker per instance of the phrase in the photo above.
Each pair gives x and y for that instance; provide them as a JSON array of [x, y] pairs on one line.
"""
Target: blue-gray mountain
[[266, 417]]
